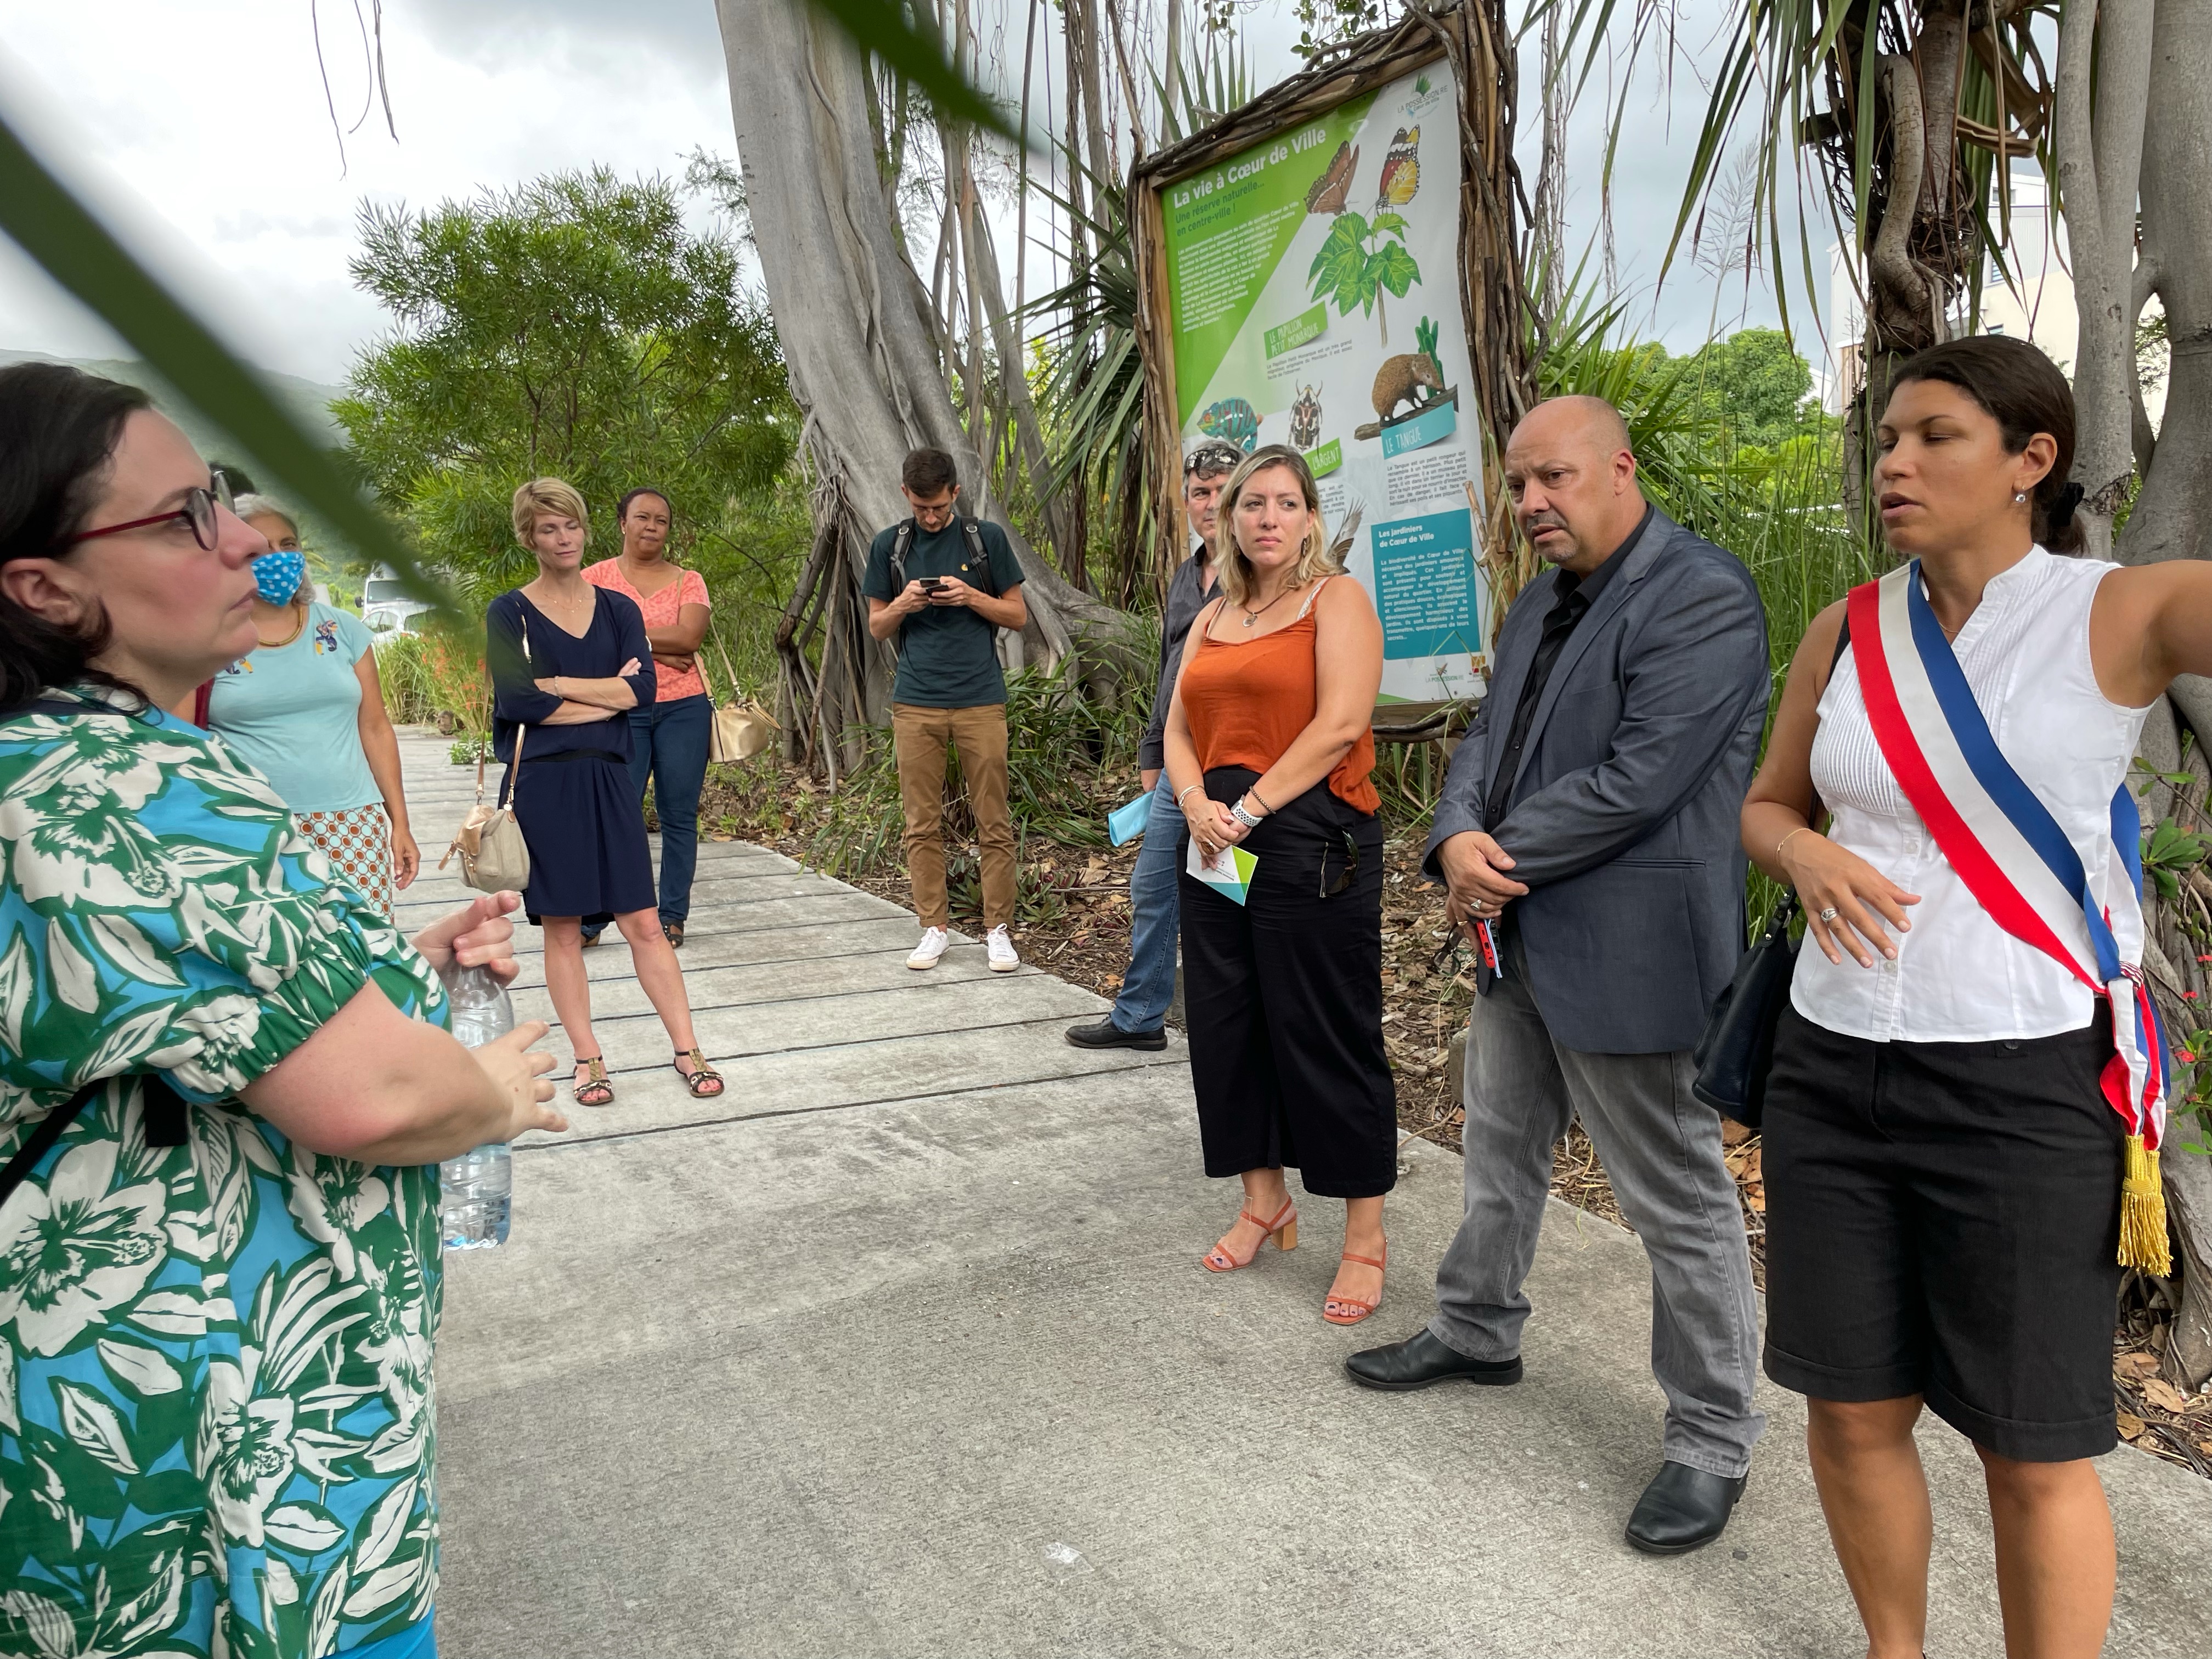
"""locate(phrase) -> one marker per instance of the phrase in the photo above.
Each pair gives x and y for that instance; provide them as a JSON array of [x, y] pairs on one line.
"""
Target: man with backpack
[[944, 586]]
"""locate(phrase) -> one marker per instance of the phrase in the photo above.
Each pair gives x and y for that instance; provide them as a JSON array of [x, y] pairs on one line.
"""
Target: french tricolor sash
[[2012, 855]]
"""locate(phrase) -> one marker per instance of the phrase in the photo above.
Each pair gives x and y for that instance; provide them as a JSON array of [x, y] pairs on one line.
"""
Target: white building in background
[[2037, 303]]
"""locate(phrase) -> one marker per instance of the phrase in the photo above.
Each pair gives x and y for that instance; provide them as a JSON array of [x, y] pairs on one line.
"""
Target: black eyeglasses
[[199, 510], [1349, 874]]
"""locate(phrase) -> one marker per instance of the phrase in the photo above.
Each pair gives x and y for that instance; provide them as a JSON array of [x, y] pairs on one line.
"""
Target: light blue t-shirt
[[293, 714]]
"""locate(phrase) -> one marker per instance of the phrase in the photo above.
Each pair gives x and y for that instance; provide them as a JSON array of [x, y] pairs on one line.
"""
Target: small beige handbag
[[493, 856], [742, 728]]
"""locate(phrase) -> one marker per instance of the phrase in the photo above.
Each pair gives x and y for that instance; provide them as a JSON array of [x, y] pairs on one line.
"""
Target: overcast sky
[[202, 131]]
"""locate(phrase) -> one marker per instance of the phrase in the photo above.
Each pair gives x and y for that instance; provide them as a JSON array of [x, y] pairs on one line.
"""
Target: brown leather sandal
[[673, 933], [1284, 1229], [702, 1080], [1347, 1310], [593, 1088]]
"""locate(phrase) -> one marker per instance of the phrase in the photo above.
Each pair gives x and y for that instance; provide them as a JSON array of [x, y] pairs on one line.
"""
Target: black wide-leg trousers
[[1283, 995]]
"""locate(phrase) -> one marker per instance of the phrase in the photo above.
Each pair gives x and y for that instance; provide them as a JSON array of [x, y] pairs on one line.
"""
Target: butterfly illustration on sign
[[1330, 189], [1401, 170]]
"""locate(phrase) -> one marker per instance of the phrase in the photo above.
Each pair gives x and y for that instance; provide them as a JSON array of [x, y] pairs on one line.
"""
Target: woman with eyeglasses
[[305, 708], [1269, 751], [225, 1088]]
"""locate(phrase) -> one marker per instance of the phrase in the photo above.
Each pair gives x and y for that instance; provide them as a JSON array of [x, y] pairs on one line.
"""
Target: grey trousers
[[1662, 1151]]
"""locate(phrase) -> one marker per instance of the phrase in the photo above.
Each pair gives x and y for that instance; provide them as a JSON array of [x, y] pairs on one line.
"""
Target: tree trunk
[[2100, 152], [2173, 514], [850, 314]]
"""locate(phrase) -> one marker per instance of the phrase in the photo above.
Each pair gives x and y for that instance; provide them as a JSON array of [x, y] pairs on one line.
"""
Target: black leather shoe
[[1682, 1509], [1107, 1034], [1422, 1360]]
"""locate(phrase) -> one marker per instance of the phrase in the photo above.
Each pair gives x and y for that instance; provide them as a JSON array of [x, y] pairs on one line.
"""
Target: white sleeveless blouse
[[1958, 976]]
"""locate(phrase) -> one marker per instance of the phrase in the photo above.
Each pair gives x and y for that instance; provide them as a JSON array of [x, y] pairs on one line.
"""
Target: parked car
[[385, 606]]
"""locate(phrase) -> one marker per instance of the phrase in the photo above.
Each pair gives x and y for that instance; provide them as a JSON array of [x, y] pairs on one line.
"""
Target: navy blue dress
[[579, 812]]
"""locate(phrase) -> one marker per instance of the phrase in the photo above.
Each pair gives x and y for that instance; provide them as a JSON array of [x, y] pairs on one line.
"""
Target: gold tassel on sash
[[2142, 1213]]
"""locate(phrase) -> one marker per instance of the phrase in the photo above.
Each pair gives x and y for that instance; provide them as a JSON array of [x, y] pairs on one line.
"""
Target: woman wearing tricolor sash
[[1963, 1118]]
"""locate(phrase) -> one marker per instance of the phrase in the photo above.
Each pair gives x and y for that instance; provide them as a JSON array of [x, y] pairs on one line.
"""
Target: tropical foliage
[[573, 327]]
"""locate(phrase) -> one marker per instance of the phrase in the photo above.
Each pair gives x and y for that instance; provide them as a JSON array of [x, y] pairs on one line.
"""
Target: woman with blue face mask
[[304, 707]]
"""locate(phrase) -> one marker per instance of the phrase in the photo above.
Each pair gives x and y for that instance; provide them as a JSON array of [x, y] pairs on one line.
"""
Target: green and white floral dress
[[216, 1413]]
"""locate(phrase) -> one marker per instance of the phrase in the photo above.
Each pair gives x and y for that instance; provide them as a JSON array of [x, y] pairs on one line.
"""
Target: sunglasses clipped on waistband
[[1345, 877]]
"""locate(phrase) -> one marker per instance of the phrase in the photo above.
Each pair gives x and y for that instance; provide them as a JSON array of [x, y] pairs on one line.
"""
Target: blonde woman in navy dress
[[568, 662], [1944, 1167]]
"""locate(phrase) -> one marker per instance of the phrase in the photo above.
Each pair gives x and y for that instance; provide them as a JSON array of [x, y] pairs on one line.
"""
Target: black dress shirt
[[1576, 595]]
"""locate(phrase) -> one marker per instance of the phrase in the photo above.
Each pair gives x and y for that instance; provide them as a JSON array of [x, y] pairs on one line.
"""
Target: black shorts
[[1942, 1219]]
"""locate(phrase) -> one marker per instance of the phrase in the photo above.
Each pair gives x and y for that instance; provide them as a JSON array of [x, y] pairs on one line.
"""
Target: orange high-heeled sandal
[[1344, 1310], [1284, 1229]]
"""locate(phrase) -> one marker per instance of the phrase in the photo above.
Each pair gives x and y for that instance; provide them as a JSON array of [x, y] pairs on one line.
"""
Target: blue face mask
[[277, 576]]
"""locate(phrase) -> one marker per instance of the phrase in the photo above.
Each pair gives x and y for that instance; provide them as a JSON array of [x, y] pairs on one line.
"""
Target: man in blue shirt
[[943, 587], [1149, 986]]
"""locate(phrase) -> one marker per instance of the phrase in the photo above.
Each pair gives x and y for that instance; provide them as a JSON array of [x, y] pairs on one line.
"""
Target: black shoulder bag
[[1736, 1051]]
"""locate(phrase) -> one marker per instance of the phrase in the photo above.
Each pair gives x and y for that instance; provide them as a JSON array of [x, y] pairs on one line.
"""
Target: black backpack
[[979, 558]]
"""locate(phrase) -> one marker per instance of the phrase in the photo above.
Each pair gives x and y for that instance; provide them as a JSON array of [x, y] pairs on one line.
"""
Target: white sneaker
[[1003, 958], [933, 941]]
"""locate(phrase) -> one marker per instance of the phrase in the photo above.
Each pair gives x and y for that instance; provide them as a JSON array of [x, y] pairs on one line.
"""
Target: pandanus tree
[[1900, 120]]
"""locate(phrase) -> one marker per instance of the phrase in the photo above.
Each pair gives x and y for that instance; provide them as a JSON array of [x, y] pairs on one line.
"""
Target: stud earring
[[2019, 495]]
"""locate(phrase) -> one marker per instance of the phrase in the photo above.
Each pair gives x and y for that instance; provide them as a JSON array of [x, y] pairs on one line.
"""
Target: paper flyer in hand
[[1126, 822], [1229, 871]]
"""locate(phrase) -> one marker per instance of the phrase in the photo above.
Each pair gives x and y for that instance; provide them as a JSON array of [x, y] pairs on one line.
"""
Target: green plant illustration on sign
[[1362, 260], [1425, 342]]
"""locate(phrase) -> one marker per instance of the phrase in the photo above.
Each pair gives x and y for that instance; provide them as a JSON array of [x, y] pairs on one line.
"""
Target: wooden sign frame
[[1472, 39]]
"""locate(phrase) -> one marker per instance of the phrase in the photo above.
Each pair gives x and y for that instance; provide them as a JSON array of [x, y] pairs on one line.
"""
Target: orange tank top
[[1248, 701]]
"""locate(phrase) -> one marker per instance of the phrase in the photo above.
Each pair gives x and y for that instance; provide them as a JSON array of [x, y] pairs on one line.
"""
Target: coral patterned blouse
[[661, 610]]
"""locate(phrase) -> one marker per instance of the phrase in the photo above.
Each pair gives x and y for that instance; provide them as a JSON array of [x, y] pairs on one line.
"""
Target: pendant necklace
[[1253, 616]]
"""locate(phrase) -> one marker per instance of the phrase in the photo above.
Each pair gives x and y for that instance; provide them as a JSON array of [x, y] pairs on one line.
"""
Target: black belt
[[579, 754]]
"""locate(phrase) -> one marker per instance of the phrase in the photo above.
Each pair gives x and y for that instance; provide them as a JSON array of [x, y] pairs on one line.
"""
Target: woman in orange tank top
[[1268, 748]]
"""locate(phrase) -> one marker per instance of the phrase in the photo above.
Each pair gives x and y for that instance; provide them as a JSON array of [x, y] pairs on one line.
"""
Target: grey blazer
[[1623, 820]]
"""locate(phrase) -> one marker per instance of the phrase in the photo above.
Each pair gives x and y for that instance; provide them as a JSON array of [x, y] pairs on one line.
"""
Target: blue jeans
[[668, 748], [1149, 986]]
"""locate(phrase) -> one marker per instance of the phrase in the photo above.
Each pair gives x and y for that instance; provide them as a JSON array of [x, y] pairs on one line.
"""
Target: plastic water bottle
[[476, 1189]]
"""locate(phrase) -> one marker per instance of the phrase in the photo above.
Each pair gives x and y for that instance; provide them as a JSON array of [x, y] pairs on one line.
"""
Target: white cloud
[[205, 133], [204, 130]]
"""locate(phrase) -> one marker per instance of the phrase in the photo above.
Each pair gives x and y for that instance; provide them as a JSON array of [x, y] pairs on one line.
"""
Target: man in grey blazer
[[1588, 834]]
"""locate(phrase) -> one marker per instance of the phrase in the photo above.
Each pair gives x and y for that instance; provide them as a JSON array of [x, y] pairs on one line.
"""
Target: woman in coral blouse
[[668, 736], [1268, 748]]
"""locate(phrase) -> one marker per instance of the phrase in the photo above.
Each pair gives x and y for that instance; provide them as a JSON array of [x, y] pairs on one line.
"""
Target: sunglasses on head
[[1209, 458], [199, 510]]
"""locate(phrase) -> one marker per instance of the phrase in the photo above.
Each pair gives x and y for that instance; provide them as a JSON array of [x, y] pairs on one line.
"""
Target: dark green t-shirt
[[948, 655]]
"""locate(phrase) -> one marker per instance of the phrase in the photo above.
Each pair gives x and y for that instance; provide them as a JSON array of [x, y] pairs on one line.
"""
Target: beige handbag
[[742, 728], [493, 856]]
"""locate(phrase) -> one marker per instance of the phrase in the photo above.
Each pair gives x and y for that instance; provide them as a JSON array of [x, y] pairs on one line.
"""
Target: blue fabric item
[[1154, 916], [293, 714], [418, 1641], [1125, 823], [668, 745], [277, 576]]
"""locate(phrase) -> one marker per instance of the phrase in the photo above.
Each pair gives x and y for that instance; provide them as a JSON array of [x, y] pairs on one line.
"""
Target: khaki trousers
[[979, 736]]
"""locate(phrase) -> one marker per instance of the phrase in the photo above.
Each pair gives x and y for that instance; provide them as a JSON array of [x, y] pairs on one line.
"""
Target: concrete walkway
[[902, 1347]]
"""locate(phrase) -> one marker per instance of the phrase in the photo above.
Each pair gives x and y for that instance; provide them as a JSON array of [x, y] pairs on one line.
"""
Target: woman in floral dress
[[223, 1085]]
